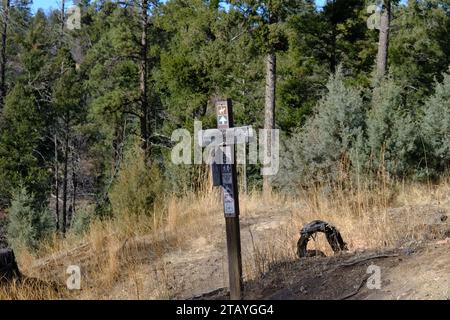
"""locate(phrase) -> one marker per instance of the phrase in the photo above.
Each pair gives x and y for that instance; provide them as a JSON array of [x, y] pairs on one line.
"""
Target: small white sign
[[223, 120], [227, 178], [229, 209]]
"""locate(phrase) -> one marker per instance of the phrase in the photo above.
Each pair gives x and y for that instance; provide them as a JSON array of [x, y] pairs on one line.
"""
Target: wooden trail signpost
[[224, 110], [225, 175]]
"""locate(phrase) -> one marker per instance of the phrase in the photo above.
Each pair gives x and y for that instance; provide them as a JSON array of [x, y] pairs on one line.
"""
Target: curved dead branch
[[331, 232]]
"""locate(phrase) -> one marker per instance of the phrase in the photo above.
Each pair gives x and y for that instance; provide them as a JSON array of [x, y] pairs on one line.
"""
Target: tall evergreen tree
[[24, 148], [268, 18], [420, 50], [5, 17], [14, 17], [69, 112]]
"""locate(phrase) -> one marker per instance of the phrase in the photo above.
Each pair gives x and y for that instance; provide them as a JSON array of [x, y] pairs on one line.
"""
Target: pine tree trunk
[[65, 179], [74, 188], [56, 183], [62, 18], [334, 33], [383, 43], [269, 123], [119, 137], [333, 58], [144, 79], [63, 224], [6, 6]]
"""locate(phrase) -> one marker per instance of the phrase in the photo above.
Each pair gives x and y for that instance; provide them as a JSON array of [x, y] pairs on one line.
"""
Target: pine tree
[[69, 112], [193, 59], [420, 50], [122, 97], [6, 4], [23, 157], [24, 135], [268, 19], [14, 17]]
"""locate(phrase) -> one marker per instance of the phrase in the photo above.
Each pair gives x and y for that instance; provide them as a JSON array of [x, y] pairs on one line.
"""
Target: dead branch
[[333, 235], [354, 293], [352, 263]]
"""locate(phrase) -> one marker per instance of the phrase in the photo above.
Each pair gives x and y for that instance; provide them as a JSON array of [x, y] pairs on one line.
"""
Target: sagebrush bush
[[137, 187], [82, 220], [435, 128], [27, 225], [377, 138], [392, 133], [321, 150]]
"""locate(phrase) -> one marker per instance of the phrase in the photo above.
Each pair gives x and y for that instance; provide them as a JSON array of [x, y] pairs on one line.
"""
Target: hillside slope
[[187, 258], [420, 273]]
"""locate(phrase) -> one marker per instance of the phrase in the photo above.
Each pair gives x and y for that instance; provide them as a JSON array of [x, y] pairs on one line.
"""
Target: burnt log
[[8, 266], [333, 235]]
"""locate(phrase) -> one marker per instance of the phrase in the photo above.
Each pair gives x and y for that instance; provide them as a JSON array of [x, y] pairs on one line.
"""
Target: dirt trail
[[421, 275], [203, 265]]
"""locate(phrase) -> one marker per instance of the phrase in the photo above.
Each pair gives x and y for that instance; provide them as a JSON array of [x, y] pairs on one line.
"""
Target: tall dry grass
[[127, 252], [394, 214], [30, 289]]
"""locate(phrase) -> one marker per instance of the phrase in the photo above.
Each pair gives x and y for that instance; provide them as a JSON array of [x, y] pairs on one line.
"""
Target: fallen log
[[334, 238], [8, 266]]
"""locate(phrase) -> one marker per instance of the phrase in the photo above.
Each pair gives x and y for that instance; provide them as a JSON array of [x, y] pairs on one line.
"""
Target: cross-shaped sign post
[[225, 175], [231, 202]]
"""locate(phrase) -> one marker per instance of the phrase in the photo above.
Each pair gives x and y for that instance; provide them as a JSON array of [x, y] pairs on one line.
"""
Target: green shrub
[[436, 128], [82, 220], [342, 139], [321, 150], [27, 225], [392, 135], [137, 187]]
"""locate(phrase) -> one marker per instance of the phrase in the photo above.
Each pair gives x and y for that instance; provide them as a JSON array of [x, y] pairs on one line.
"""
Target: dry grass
[[393, 215], [29, 289], [128, 253]]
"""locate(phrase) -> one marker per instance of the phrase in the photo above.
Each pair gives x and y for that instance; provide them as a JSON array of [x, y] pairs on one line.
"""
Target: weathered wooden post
[[224, 110], [224, 174]]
